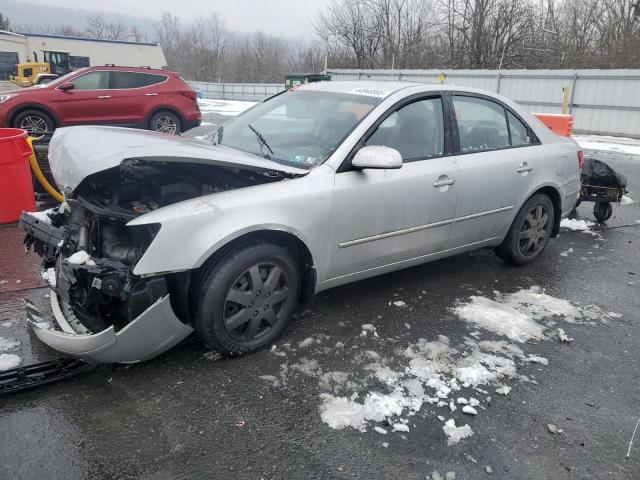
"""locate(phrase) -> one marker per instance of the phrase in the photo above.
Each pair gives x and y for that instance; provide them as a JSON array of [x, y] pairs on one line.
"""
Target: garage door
[[8, 62]]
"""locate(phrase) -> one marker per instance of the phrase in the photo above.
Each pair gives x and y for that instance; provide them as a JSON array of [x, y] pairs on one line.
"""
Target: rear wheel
[[35, 122], [247, 299], [529, 232], [165, 122]]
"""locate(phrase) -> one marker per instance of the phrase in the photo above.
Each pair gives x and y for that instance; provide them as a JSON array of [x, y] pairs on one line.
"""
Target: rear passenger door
[[498, 158], [135, 95]]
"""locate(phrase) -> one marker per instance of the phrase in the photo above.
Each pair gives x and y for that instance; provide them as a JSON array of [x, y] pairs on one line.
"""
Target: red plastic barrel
[[16, 187]]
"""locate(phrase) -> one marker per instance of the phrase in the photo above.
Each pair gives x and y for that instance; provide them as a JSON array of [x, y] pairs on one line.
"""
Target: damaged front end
[[104, 312]]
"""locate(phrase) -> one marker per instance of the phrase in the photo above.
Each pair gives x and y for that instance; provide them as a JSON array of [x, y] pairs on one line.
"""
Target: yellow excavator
[[55, 64]]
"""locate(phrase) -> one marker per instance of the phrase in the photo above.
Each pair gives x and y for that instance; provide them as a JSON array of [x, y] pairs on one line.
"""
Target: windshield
[[299, 128]]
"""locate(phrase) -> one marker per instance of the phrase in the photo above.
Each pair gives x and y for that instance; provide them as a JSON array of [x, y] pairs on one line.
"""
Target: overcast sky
[[286, 17]]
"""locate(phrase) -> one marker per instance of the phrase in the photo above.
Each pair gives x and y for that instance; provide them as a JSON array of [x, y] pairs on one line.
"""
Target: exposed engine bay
[[89, 252]]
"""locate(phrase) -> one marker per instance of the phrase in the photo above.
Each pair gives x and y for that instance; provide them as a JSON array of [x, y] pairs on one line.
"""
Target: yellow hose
[[40, 176]]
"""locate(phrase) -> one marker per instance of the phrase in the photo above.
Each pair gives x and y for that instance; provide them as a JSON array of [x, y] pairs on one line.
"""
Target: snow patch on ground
[[8, 344], [9, 361], [575, 224], [229, 108], [379, 392], [626, 200], [455, 434], [630, 146]]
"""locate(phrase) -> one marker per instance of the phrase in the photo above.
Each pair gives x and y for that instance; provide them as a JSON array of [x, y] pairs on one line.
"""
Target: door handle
[[444, 182], [525, 167], [151, 94], [104, 96]]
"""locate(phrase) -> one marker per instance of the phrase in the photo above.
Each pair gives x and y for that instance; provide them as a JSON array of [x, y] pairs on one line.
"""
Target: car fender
[[193, 230], [35, 106]]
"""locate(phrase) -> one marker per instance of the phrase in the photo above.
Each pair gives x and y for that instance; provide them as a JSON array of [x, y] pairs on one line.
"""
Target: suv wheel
[[529, 232], [35, 122], [247, 299], [165, 122]]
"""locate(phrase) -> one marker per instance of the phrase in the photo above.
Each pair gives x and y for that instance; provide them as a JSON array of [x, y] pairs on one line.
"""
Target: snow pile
[[80, 258], [230, 108], [9, 361], [49, 276], [8, 344], [629, 146], [626, 200], [455, 434], [575, 224]]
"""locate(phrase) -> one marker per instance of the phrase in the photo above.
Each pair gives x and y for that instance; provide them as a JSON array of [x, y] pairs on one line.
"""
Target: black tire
[[165, 121], [236, 328], [602, 211], [35, 122], [529, 232]]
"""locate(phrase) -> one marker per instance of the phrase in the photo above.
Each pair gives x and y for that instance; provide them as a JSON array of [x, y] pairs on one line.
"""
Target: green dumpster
[[301, 78]]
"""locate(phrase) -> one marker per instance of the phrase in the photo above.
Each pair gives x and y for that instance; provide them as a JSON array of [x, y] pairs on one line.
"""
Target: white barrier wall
[[603, 102]]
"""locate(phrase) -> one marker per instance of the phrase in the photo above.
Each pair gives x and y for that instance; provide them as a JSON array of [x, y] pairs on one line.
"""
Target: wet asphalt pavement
[[189, 415]]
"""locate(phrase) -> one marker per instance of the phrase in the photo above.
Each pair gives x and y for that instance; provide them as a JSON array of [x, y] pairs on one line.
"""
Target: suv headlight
[[5, 97]]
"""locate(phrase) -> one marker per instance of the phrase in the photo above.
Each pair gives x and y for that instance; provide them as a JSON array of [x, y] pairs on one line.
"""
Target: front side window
[[92, 81], [120, 80], [482, 124], [415, 130], [298, 127]]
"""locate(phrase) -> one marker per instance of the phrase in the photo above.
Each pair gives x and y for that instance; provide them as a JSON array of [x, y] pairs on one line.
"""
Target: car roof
[[385, 88]]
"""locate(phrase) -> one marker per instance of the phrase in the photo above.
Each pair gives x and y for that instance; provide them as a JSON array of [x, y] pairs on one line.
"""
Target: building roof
[[65, 37]]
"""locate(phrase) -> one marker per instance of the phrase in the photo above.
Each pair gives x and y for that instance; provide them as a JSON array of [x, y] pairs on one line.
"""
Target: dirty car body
[[381, 177]]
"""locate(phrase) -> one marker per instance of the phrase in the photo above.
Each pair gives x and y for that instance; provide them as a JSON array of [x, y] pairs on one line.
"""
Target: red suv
[[134, 97]]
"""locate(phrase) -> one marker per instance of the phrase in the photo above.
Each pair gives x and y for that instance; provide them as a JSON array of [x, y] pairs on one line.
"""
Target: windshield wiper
[[261, 142], [218, 135]]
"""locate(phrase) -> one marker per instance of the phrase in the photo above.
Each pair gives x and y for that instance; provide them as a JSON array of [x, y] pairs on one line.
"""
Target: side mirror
[[66, 86], [377, 156]]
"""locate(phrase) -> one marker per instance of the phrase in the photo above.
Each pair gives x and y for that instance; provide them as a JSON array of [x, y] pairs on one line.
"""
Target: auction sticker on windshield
[[371, 92]]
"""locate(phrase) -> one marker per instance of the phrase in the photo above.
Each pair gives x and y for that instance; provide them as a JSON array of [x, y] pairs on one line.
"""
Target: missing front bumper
[[151, 333]]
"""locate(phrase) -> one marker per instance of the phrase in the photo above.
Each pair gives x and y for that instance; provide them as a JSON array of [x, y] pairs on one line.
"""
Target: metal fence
[[605, 102], [255, 92], [602, 101]]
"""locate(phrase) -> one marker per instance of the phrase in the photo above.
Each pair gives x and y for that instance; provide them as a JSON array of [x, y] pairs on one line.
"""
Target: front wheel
[[529, 232], [247, 299], [36, 123], [165, 122]]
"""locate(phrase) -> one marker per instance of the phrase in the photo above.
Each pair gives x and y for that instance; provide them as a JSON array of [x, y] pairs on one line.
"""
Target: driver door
[[384, 217], [89, 101]]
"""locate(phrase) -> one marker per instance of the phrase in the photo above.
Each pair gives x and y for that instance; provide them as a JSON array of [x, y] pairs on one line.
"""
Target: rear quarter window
[[120, 80]]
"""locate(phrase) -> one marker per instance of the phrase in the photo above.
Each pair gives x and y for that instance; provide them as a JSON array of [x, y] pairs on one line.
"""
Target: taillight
[[580, 159], [190, 94]]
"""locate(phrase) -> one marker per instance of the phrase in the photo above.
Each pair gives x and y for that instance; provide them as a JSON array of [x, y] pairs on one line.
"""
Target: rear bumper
[[153, 332]]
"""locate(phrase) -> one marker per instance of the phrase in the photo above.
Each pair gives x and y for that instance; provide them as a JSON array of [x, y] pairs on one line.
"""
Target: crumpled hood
[[77, 152]]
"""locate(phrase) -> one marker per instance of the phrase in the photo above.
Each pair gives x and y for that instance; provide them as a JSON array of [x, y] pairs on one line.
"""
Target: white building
[[23, 47]]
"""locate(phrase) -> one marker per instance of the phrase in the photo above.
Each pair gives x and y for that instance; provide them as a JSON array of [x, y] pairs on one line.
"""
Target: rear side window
[[482, 124], [519, 133], [120, 80], [416, 130], [92, 81]]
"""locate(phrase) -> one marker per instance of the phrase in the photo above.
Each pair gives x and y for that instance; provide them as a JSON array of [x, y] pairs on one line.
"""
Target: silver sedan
[[319, 186]]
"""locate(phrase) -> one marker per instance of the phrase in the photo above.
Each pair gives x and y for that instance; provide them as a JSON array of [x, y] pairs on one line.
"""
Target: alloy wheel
[[166, 124], [34, 125], [534, 231], [256, 301]]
